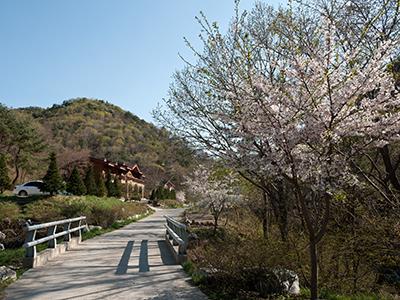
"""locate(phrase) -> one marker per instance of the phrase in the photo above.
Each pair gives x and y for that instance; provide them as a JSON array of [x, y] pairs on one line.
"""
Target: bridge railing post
[[80, 231], [32, 259], [177, 232], [67, 227], [30, 236], [51, 231]]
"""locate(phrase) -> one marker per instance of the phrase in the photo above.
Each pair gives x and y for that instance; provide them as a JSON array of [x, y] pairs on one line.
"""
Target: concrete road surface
[[130, 263]]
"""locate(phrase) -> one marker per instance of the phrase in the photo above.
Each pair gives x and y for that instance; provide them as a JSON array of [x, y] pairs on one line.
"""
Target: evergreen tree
[[117, 186], [4, 179], [109, 185], [173, 194], [75, 183], [135, 193], [52, 181], [101, 187], [164, 193], [90, 182]]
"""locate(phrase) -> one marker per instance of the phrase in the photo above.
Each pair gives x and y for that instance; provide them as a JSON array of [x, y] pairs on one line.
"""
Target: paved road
[[130, 263]]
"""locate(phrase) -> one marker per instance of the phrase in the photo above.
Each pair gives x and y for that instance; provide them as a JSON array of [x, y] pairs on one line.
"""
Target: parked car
[[29, 188]]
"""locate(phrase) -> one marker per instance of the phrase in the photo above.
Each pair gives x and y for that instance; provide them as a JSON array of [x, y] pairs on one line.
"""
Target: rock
[[289, 280], [193, 241], [7, 274], [2, 247], [2, 236], [94, 227], [193, 237]]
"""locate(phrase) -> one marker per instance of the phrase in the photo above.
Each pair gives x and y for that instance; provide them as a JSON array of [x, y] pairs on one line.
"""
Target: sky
[[121, 51]]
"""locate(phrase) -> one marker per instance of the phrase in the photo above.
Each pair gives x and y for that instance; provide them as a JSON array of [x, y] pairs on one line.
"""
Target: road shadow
[[166, 255], [122, 267], [144, 257]]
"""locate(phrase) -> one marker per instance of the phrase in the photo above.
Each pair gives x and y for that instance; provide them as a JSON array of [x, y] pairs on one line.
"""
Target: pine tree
[[140, 192], [173, 194], [52, 181], [117, 186], [101, 187], [158, 194], [90, 182], [135, 193], [4, 179], [75, 183], [109, 185]]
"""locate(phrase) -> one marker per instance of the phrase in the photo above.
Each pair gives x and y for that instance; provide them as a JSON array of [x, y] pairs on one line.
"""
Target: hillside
[[94, 127]]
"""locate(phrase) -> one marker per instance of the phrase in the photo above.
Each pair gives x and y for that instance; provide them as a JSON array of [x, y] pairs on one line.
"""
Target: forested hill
[[98, 128]]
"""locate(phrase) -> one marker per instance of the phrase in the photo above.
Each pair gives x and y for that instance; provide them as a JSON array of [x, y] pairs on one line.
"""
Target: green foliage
[[75, 207], [117, 188], [52, 181], [21, 141], [99, 211], [109, 185], [101, 187], [170, 203], [135, 192], [160, 193], [9, 210], [4, 179], [90, 181], [43, 211], [75, 183]]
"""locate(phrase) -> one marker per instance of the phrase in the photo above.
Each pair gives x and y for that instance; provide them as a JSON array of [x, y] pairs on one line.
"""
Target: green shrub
[[9, 210], [75, 184], [130, 209], [104, 216], [44, 211], [170, 203], [75, 207]]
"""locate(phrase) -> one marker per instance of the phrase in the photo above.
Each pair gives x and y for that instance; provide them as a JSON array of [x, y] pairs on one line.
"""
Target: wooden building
[[131, 176]]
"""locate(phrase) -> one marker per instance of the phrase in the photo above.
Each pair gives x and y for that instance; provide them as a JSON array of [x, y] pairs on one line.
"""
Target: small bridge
[[134, 262]]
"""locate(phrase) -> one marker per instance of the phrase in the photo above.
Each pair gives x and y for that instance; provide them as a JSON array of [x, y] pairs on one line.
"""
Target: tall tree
[[90, 181], [109, 184], [4, 178], [21, 140], [117, 187], [75, 184], [52, 181], [101, 187], [216, 192]]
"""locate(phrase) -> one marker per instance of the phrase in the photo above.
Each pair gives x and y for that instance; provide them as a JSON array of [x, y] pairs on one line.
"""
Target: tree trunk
[[265, 224], [16, 162], [314, 269], [390, 169], [215, 225], [16, 175]]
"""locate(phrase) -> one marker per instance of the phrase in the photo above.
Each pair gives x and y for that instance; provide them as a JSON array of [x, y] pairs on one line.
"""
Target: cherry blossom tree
[[293, 96], [216, 191], [314, 120]]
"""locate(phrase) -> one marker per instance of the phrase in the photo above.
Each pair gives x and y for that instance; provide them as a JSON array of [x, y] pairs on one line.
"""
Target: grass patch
[[170, 203]]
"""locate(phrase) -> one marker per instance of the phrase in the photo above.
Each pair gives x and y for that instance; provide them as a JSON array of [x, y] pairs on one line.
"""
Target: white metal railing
[[52, 234], [178, 233]]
